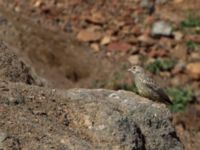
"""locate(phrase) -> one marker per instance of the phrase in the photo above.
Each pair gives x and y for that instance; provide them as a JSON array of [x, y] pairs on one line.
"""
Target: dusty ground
[[52, 35]]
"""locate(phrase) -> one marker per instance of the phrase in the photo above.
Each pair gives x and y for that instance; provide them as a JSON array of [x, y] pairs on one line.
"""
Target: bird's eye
[[134, 67]]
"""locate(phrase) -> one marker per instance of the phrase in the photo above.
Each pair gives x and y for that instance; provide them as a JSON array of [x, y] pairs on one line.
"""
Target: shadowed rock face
[[35, 117]]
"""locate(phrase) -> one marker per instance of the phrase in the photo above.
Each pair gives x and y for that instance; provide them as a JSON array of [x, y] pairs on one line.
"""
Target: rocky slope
[[36, 117]]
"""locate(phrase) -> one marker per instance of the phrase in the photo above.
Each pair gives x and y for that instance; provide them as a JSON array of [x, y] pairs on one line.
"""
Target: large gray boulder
[[39, 118], [35, 117]]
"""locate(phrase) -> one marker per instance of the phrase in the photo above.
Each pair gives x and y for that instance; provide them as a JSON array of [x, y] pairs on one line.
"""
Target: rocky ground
[[36, 117], [85, 43]]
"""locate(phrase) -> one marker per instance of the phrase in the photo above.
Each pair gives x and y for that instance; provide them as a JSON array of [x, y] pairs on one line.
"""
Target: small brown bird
[[147, 87]]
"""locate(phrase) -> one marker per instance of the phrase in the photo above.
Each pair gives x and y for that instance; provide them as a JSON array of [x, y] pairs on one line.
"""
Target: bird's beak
[[129, 69]]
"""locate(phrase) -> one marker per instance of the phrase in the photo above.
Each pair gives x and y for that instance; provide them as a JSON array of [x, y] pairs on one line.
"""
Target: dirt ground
[[86, 43]]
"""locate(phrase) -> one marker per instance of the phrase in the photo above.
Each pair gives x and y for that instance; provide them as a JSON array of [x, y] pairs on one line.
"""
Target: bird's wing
[[156, 88]]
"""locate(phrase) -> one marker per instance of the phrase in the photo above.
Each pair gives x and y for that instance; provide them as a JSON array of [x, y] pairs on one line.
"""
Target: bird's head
[[136, 70]]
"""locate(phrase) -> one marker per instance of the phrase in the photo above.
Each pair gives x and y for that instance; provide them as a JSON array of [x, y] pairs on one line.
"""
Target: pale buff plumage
[[147, 87]]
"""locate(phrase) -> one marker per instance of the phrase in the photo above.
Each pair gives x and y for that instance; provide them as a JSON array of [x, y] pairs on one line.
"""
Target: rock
[[119, 46], [180, 52], [132, 40], [161, 28], [164, 74], [15, 70], [95, 47], [178, 36], [157, 53], [180, 80], [149, 5], [126, 29], [146, 40], [37, 3], [179, 67], [178, 1], [3, 20], [145, 3], [68, 27], [161, 1], [134, 50], [3, 136], [105, 40], [193, 70], [194, 56], [88, 35], [96, 18], [85, 119], [136, 30], [175, 81], [165, 43], [122, 120], [134, 59]]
